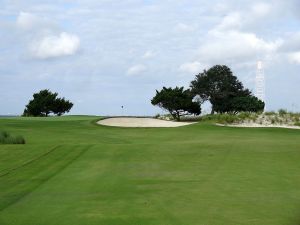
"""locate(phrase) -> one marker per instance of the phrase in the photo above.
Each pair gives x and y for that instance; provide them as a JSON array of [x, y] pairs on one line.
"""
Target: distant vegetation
[[217, 85], [46, 102], [282, 117], [6, 138]]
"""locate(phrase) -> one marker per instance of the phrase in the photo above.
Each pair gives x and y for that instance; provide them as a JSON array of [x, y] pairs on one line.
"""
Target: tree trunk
[[173, 115], [178, 116]]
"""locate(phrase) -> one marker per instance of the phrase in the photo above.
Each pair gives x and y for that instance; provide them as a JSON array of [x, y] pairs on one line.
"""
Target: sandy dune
[[140, 122], [258, 125]]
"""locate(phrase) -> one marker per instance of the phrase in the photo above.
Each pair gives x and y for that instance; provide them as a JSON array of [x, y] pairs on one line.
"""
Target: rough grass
[[6, 138], [72, 171]]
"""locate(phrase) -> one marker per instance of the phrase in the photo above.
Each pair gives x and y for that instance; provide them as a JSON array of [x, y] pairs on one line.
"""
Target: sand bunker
[[140, 122], [258, 125]]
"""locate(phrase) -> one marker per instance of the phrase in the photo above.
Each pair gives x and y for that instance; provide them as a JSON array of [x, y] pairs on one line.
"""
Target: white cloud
[[182, 27], [26, 20], [261, 9], [235, 46], [294, 57], [136, 69], [231, 21], [220, 7], [192, 67], [55, 46], [234, 39], [291, 43], [245, 18], [148, 55], [290, 48]]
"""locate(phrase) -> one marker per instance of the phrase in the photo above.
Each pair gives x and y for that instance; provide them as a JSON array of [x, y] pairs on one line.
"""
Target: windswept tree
[[219, 86], [46, 102], [61, 106], [177, 101]]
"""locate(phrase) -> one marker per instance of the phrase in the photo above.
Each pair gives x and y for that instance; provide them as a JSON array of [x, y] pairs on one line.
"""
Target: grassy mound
[[6, 138]]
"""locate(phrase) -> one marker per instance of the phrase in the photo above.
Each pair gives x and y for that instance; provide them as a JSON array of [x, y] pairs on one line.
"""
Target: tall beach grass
[[6, 138]]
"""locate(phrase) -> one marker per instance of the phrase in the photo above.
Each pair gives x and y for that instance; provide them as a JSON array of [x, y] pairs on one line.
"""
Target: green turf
[[71, 171]]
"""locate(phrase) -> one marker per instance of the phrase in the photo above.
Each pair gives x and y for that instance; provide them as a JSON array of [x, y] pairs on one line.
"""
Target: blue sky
[[102, 54]]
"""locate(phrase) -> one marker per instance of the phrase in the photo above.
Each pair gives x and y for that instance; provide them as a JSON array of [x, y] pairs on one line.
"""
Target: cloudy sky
[[102, 54]]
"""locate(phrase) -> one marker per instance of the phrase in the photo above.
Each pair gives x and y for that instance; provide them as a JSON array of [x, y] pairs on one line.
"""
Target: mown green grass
[[71, 171]]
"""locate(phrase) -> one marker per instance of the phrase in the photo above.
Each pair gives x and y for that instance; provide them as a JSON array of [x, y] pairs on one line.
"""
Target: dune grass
[[72, 171], [7, 138]]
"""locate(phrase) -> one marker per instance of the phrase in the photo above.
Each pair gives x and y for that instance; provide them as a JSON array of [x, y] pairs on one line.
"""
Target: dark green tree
[[61, 106], [219, 86], [46, 102], [177, 101], [246, 104]]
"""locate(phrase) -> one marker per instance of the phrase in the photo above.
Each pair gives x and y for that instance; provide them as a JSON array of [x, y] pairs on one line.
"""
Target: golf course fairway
[[72, 171]]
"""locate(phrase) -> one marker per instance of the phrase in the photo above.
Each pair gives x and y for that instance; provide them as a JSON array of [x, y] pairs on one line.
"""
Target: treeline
[[218, 86]]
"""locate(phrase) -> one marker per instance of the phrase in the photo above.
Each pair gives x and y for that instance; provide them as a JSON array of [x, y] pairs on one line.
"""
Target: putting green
[[72, 171]]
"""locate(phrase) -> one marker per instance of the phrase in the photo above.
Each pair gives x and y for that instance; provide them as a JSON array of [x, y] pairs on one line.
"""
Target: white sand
[[258, 125], [140, 122]]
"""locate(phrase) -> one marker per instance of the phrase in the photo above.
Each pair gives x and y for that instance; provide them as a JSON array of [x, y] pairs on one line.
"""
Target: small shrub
[[273, 121], [297, 124], [190, 119], [213, 117], [244, 115], [208, 117], [228, 118], [6, 138], [282, 112], [157, 116], [166, 117], [221, 118], [270, 113], [231, 119], [19, 140], [4, 134], [277, 120]]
